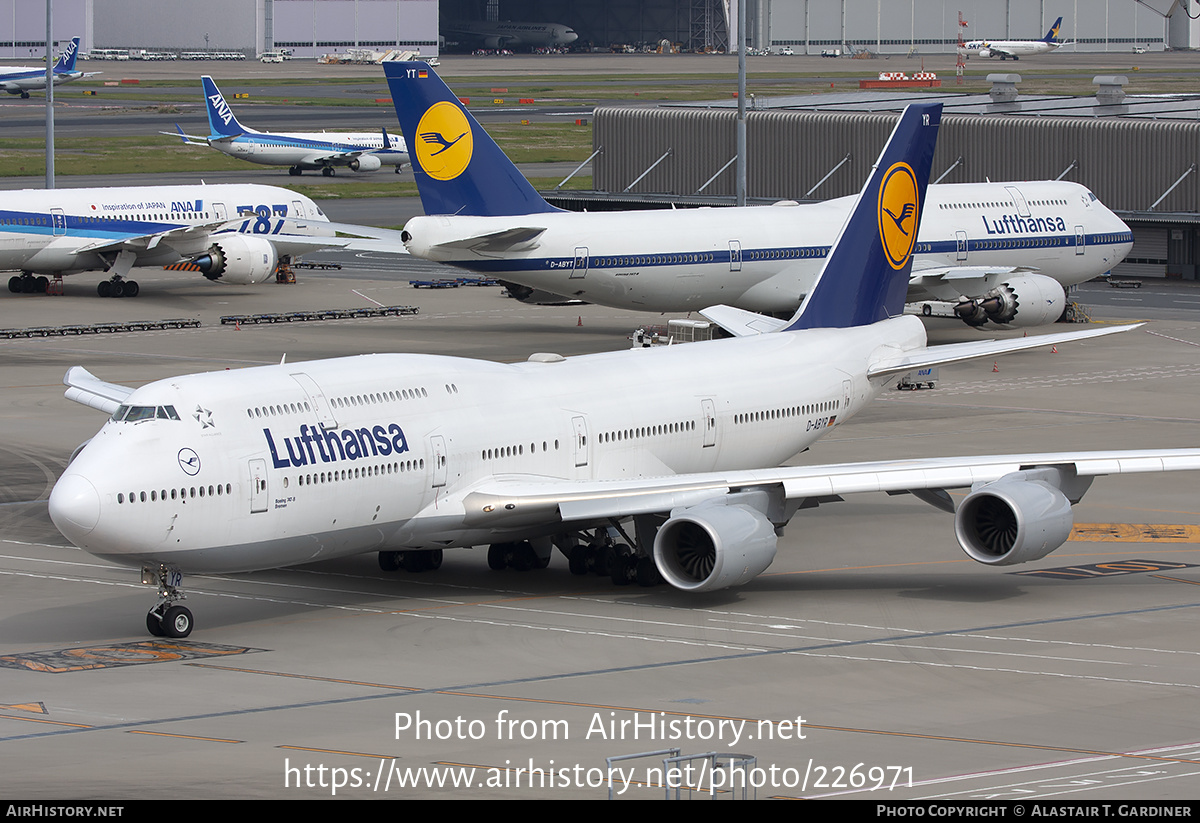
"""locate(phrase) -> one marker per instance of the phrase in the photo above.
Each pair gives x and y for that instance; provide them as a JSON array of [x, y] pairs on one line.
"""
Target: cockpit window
[[134, 414]]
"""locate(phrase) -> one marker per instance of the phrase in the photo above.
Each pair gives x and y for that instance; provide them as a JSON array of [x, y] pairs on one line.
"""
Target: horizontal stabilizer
[[521, 238], [958, 352], [741, 323]]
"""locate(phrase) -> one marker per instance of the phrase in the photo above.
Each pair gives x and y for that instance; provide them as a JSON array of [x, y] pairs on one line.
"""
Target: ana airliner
[[234, 234], [1001, 252], [23, 79], [357, 151], [1016, 49], [409, 455]]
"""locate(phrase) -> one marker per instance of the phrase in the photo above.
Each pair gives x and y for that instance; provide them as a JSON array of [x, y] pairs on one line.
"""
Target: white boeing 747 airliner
[[1001, 252], [358, 151], [23, 79], [233, 233], [408, 455]]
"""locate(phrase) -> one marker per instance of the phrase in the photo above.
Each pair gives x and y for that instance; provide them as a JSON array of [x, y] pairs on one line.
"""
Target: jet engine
[[1020, 517], [714, 546], [1024, 300], [365, 162], [239, 260], [985, 52]]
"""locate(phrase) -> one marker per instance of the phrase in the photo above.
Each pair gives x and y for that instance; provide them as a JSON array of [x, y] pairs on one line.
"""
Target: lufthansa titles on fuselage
[[313, 445]]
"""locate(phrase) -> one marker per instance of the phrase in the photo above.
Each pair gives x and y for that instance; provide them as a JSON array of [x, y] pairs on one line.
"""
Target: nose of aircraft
[[74, 506]]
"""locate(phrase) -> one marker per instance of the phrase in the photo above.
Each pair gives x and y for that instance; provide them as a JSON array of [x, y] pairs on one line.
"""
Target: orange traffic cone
[[580, 322], [1054, 349], [995, 365]]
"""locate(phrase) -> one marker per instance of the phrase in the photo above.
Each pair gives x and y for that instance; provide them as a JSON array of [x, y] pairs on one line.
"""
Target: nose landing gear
[[167, 619]]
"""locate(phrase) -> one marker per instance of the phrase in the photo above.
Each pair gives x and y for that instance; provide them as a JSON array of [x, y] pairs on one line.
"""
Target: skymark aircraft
[[22, 79], [408, 455], [1001, 252], [358, 151], [234, 234], [1016, 48]]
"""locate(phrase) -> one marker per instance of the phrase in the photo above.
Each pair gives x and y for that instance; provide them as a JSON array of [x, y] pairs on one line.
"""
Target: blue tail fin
[[459, 168], [865, 278], [221, 122], [1052, 35], [66, 60]]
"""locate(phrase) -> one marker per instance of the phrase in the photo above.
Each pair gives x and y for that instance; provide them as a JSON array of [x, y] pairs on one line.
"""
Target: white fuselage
[[17, 79], [63, 231], [279, 465], [766, 258], [510, 34], [1008, 48], [310, 150]]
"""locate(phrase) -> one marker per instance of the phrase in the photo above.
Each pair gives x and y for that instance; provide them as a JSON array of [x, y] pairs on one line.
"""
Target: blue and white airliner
[[405, 456], [358, 151], [1000, 252], [236, 234], [1015, 48], [23, 79]]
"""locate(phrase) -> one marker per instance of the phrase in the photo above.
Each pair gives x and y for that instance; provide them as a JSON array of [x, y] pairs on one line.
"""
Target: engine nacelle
[[714, 546], [1013, 520], [365, 162], [1025, 300], [985, 52], [239, 259]]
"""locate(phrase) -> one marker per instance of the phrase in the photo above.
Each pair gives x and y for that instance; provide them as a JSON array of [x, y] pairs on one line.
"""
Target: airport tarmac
[[873, 660]]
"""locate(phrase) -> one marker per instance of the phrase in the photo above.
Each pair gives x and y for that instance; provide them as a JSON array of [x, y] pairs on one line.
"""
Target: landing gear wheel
[[294, 171], [131, 288], [498, 554], [116, 288], [14, 284], [154, 625], [177, 622], [577, 560], [389, 561], [624, 569], [104, 288], [523, 557], [433, 560], [927, 310], [327, 171], [42, 284], [647, 573]]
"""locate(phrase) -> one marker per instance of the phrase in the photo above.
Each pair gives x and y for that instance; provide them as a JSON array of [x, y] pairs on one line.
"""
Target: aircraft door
[[437, 448], [219, 211], [258, 486], [316, 397], [297, 209], [1019, 199], [60, 221], [580, 268], [579, 425], [709, 413], [735, 255], [1080, 236], [961, 240]]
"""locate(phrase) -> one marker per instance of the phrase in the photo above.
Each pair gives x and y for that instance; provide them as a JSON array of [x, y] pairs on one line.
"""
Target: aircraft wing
[[188, 139], [950, 282], [369, 238], [334, 158], [89, 390], [517, 501], [145, 242], [741, 323], [284, 242]]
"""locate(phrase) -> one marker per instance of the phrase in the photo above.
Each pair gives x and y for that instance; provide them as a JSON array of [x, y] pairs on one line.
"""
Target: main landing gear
[[117, 286], [327, 171], [295, 171], [26, 283], [412, 561], [167, 618]]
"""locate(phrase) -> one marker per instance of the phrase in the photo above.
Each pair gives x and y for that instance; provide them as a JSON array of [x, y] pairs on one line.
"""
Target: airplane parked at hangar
[[408, 455], [23, 79], [1002, 252], [358, 151], [512, 35], [1016, 49], [234, 234]]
